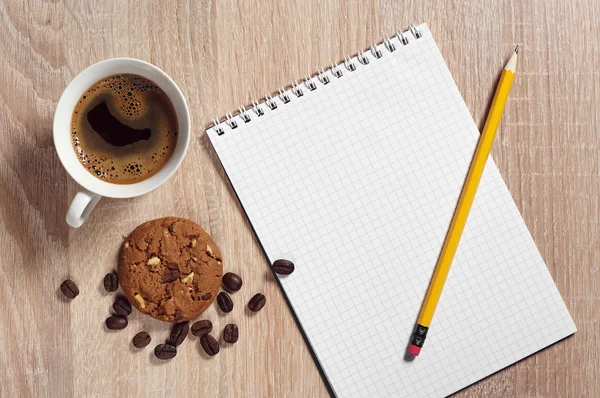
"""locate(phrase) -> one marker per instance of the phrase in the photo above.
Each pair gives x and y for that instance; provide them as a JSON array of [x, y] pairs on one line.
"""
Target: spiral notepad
[[354, 175]]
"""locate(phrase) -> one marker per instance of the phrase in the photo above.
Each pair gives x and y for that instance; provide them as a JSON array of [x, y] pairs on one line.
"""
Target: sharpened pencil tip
[[516, 49]]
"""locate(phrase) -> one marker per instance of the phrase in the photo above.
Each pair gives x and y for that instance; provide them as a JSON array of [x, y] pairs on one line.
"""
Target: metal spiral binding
[[362, 58], [218, 127], [270, 102], [231, 121], [323, 78], [244, 115], [297, 90], [415, 31], [257, 109], [389, 45], [376, 52], [309, 83], [403, 39], [321, 75], [336, 71], [283, 96], [349, 64]]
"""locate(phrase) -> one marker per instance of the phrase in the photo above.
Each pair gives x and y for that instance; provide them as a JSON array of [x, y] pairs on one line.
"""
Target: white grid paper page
[[356, 183]]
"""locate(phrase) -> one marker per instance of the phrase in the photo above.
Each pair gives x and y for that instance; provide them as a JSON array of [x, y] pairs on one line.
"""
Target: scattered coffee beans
[[111, 282], [232, 282], [122, 306], [202, 327], [257, 302], [210, 345], [179, 333], [224, 301], [116, 322], [230, 333], [165, 351], [283, 267], [141, 340], [69, 289]]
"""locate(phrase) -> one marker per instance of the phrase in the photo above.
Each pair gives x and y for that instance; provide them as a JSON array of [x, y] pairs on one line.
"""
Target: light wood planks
[[224, 54]]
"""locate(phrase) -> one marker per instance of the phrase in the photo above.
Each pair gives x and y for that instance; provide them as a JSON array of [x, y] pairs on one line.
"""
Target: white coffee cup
[[92, 188]]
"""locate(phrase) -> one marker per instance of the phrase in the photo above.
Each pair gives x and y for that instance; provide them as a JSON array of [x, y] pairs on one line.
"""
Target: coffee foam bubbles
[[139, 104]]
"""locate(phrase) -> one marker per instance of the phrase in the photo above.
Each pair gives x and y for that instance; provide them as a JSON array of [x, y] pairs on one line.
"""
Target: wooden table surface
[[224, 54]]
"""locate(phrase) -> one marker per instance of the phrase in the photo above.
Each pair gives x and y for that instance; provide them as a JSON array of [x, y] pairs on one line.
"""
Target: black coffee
[[124, 129]]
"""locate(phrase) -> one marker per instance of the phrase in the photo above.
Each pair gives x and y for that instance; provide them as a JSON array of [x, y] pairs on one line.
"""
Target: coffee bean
[[69, 289], [202, 327], [179, 333], [283, 267], [170, 275], [232, 282], [224, 301], [141, 340], [116, 322], [111, 282], [165, 351], [122, 306], [257, 302], [230, 333], [210, 345]]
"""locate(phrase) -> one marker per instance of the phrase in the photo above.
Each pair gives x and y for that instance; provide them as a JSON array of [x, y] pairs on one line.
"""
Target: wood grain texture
[[224, 54]]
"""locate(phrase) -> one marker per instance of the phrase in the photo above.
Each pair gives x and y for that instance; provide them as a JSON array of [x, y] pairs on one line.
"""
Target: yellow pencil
[[484, 146]]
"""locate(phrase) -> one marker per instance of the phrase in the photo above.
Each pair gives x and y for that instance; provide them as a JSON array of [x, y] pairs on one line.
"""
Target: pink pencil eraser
[[413, 349]]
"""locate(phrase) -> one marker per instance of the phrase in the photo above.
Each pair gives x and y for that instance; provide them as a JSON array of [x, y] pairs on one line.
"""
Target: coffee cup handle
[[81, 207]]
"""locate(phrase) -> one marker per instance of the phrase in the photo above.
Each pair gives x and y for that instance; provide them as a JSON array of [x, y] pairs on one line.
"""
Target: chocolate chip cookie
[[170, 269]]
